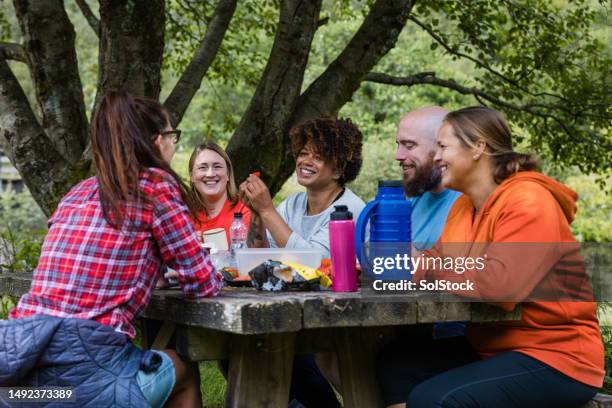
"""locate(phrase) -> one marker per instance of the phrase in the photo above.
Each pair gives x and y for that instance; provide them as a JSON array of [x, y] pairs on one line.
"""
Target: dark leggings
[[449, 374]]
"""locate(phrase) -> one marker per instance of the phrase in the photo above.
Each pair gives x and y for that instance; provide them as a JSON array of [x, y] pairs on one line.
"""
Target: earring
[[476, 157]]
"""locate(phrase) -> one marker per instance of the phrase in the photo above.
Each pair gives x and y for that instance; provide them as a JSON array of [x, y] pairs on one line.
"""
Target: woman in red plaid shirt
[[113, 234]]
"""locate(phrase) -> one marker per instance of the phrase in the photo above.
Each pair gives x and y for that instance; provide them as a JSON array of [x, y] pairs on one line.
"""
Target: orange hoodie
[[527, 207]]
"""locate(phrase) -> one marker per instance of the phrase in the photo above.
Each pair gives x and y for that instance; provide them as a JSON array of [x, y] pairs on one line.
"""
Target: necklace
[[327, 206]]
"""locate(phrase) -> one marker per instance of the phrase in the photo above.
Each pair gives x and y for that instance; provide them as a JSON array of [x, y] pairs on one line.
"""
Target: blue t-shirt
[[429, 212]]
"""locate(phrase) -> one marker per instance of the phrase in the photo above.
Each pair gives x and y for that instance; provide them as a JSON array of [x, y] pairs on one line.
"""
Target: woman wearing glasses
[[212, 181], [109, 240]]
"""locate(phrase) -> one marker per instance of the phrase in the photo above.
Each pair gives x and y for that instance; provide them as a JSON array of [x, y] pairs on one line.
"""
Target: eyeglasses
[[176, 134]]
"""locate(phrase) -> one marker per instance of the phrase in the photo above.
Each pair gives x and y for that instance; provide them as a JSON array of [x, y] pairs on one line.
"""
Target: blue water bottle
[[389, 215]]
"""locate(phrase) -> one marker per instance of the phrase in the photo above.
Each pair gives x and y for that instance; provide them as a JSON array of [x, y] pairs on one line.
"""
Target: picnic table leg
[[357, 348], [148, 332], [260, 370], [156, 334]]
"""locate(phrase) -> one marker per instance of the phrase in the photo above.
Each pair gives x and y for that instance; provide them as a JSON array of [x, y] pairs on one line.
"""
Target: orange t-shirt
[[529, 214], [224, 218]]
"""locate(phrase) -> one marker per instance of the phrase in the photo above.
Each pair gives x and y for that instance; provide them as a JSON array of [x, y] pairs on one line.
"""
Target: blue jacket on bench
[[100, 363]]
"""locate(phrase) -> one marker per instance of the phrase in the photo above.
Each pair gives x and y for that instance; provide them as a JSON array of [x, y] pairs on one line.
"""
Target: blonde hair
[[481, 123], [232, 190]]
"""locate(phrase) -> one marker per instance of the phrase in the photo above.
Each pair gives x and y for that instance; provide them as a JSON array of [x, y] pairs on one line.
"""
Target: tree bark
[[260, 141], [261, 136], [51, 56], [91, 18], [131, 46], [189, 83], [11, 51], [376, 36], [47, 174]]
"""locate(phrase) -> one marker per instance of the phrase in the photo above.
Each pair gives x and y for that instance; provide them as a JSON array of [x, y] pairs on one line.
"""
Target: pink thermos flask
[[342, 250]]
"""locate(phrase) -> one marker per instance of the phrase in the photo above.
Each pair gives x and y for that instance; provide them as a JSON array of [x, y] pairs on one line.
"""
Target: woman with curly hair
[[327, 155]]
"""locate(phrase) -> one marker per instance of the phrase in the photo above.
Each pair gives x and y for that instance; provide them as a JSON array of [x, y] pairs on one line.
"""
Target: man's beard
[[426, 178]]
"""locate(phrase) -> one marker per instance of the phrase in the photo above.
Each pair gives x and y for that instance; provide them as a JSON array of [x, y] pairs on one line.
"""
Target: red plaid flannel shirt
[[90, 270]]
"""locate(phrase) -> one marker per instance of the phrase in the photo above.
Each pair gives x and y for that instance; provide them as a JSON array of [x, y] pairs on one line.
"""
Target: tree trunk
[[51, 56], [53, 157], [258, 140], [47, 174], [131, 46], [261, 135]]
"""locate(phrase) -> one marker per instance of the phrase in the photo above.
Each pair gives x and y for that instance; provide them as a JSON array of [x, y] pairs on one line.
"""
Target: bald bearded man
[[416, 147]]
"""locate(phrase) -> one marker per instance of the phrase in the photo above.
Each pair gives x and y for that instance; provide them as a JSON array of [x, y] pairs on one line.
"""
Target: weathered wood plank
[[236, 314], [329, 311], [309, 341], [199, 344], [247, 311], [164, 335], [260, 370], [357, 349], [482, 312], [431, 312]]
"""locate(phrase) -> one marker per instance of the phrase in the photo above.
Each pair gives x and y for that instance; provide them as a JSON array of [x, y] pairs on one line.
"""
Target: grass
[[212, 384]]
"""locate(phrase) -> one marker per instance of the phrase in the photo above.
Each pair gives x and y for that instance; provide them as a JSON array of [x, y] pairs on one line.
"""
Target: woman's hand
[[168, 280], [257, 194], [243, 197]]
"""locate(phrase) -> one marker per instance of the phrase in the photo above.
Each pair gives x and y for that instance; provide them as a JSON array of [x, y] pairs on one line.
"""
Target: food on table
[[229, 273], [326, 267], [283, 275], [231, 277]]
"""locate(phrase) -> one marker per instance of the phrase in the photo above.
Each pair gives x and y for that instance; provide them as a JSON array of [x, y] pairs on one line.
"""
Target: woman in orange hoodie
[[519, 218]]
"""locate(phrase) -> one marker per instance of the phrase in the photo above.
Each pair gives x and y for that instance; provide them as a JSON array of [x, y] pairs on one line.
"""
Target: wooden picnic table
[[260, 332]]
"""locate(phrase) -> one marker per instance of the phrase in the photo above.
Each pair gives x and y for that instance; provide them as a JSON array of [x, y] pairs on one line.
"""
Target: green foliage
[[19, 212], [235, 72], [594, 219], [20, 252], [541, 57], [22, 231], [5, 26], [604, 312], [6, 304], [378, 164]]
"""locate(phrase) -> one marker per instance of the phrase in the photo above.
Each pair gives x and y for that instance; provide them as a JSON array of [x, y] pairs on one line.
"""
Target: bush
[[19, 212], [604, 312], [22, 231], [6, 304], [593, 222]]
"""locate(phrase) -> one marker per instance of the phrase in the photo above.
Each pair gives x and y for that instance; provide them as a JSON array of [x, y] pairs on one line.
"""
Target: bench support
[[260, 370]]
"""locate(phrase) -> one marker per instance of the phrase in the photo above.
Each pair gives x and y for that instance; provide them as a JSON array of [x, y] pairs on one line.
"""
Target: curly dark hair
[[338, 141]]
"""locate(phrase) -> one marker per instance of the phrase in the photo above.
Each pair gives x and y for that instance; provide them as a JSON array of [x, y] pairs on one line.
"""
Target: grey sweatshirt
[[312, 231]]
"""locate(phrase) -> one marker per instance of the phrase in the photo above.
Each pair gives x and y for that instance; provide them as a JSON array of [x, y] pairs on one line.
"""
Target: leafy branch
[[91, 18]]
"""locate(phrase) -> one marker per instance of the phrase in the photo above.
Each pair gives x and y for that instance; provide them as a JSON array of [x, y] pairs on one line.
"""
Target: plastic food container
[[248, 258]]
